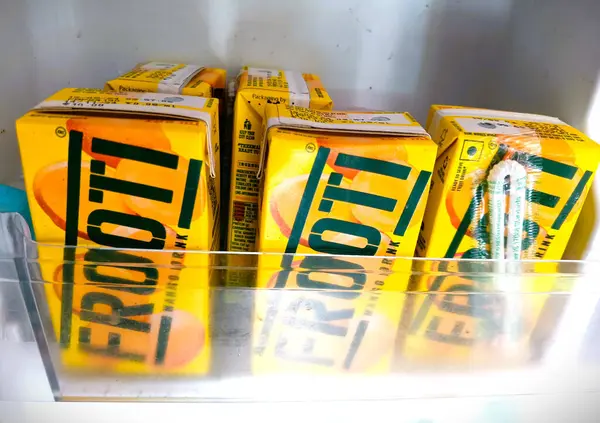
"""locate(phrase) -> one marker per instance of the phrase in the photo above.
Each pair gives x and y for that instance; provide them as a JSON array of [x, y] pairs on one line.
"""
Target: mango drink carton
[[179, 78], [344, 183], [558, 163], [134, 173], [172, 78], [255, 89]]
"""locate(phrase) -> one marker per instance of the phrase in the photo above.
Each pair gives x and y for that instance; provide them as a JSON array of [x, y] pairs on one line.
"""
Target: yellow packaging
[[172, 78], [560, 163], [561, 160], [255, 89], [125, 171], [464, 312], [337, 183]]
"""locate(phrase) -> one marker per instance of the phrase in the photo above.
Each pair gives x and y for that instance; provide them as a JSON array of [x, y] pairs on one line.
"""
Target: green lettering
[[112, 349], [98, 217], [135, 152], [570, 204], [332, 266], [130, 188], [117, 317], [549, 166], [371, 235], [366, 164], [412, 203], [542, 198], [359, 198], [107, 258]]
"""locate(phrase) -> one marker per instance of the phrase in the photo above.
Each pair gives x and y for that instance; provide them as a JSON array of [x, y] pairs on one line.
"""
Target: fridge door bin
[[106, 324]]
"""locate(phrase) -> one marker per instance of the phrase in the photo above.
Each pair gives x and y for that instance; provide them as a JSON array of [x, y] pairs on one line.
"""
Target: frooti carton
[[255, 89], [178, 78], [136, 173], [343, 195], [172, 78], [560, 163], [556, 164]]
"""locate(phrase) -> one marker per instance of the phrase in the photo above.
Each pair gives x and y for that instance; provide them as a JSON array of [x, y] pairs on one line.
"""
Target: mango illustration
[[125, 131], [187, 339], [386, 186], [167, 179], [361, 147], [285, 201], [50, 192]]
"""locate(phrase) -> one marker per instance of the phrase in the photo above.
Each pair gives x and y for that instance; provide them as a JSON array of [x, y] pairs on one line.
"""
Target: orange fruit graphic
[[186, 340], [126, 131], [50, 192], [285, 202]]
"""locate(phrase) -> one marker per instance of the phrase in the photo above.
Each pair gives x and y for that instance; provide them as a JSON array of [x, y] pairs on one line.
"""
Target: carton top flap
[[491, 114], [485, 122], [399, 124], [170, 77], [133, 103], [395, 124], [155, 105], [302, 88]]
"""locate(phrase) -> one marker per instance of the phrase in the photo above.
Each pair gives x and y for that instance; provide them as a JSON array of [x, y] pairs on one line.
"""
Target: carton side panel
[[243, 210]]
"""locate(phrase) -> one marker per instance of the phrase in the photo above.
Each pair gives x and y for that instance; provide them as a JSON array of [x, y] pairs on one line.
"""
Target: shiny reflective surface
[[111, 324]]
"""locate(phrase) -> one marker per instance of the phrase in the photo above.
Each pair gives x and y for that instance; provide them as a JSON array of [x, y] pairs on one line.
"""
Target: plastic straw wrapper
[[516, 209], [517, 176]]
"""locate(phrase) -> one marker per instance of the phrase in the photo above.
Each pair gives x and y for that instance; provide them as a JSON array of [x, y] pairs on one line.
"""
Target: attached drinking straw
[[516, 209], [517, 176]]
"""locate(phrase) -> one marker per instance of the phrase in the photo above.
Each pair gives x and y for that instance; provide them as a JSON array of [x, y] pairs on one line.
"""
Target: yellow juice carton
[[343, 196], [560, 162], [178, 78], [255, 89], [135, 173], [474, 211], [172, 78]]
